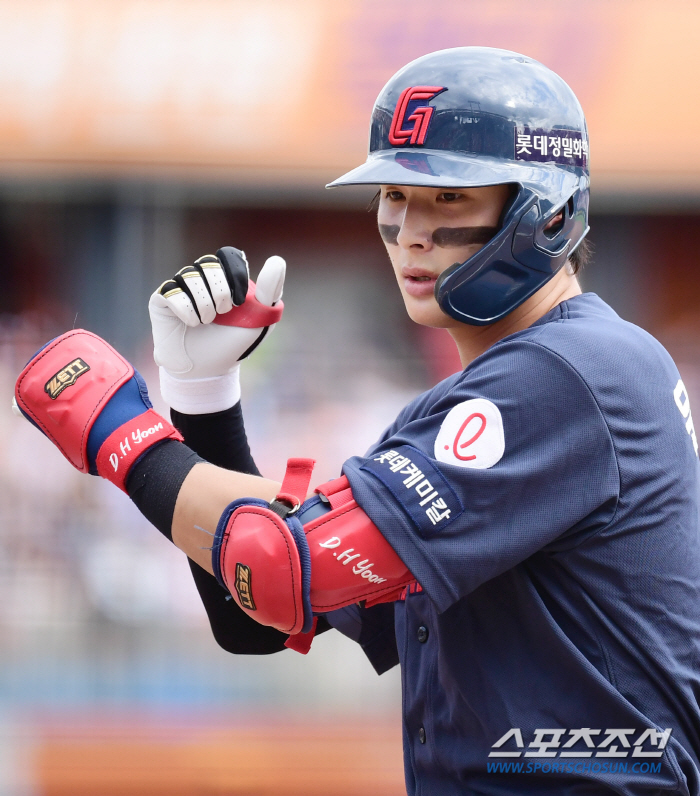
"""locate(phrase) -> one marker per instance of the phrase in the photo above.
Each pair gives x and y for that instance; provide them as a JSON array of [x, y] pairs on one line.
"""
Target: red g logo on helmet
[[421, 115]]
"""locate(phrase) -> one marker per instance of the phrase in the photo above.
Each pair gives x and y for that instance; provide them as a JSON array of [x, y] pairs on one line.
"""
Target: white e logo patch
[[471, 435]]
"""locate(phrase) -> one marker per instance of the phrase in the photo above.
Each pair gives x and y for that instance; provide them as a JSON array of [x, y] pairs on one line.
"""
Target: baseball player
[[523, 538]]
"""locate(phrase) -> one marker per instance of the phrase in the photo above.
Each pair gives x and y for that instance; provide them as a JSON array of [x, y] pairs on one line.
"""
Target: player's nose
[[414, 232]]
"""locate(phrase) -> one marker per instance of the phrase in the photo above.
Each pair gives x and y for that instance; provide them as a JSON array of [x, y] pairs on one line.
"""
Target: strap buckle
[[285, 505], [294, 487]]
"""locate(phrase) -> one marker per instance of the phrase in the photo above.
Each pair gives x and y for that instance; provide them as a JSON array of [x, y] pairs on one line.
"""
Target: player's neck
[[472, 341]]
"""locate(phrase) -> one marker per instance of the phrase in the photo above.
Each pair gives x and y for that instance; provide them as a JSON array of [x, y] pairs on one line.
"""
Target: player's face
[[426, 230]]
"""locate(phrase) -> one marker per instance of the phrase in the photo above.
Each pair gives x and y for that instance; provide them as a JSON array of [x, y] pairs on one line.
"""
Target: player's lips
[[418, 282]]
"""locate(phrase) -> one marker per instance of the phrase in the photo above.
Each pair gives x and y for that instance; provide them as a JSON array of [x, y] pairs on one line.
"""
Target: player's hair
[[578, 260], [581, 257]]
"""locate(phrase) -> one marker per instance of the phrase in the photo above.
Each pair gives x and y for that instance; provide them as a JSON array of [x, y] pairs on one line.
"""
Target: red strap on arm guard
[[351, 561]]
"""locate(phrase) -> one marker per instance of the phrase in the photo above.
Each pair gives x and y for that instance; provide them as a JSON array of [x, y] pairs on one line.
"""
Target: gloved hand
[[207, 319], [92, 404]]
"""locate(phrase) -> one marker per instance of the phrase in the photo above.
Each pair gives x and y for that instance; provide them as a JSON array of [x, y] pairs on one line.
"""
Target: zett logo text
[[245, 594], [66, 377]]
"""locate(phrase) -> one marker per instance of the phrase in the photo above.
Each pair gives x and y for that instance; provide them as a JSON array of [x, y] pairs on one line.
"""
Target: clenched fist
[[205, 320]]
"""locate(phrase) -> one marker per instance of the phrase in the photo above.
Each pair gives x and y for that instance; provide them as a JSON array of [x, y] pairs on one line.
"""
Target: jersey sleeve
[[514, 458]]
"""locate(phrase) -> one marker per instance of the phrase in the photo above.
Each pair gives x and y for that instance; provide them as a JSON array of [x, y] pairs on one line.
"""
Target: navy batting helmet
[[476, 116]]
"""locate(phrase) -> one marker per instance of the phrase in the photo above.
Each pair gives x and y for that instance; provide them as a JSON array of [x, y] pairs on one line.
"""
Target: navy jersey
[[546, 500]]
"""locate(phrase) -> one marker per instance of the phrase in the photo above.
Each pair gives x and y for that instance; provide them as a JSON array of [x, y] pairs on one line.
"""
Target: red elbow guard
[[281, 573]]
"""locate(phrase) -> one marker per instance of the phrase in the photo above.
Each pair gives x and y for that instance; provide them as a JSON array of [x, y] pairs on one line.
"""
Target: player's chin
[[426, 312]]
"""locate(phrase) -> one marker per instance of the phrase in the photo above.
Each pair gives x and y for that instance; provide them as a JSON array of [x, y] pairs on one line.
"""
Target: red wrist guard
[[73, 382]]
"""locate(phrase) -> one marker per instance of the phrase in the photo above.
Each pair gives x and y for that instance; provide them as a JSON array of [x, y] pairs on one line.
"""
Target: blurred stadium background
[[136, 135]]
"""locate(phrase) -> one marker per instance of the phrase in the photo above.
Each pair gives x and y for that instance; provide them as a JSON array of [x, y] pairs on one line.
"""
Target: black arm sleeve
[[220, 439]]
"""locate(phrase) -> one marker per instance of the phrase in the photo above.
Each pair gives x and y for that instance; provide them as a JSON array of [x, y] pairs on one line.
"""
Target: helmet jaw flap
[[520, 259]]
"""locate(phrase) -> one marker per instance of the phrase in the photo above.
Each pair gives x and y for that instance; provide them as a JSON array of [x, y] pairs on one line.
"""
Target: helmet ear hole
[[555, 225]]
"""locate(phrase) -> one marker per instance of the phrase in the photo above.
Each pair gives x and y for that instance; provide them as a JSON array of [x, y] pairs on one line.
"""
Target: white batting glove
[[207, 319]]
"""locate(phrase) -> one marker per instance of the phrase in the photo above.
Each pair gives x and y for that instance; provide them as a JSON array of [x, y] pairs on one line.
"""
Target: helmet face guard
[[476, 116], [515, 263]]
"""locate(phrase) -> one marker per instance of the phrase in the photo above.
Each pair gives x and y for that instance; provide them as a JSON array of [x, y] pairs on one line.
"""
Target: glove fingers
[[235, 267], [191, 281], [213, 272], [178, 302], [270, 282]]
